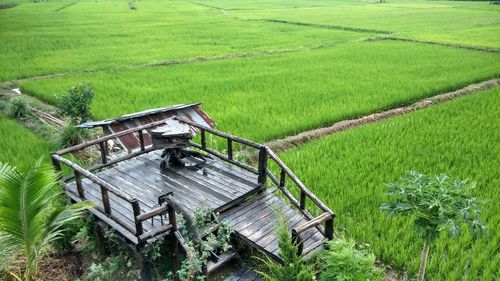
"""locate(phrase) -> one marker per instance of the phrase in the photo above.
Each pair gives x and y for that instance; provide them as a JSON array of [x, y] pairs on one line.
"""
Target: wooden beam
[[312, 223], [220, 156], [108, 137], [220, 134], [105, 200], [154, 212], [104, 152], [93, 178]]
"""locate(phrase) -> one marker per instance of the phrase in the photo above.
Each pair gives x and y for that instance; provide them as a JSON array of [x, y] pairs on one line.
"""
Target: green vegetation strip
[[19, 147], [264, 99], [348, 171], [103, 35]]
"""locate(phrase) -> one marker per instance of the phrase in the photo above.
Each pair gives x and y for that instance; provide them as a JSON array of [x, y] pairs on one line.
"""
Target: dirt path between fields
[[301, 138], [453, 45]]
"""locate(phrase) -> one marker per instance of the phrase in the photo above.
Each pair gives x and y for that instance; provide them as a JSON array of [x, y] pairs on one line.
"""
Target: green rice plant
[[19, 146], [262, 99], [90, 35], [343, 261], [348, 171]]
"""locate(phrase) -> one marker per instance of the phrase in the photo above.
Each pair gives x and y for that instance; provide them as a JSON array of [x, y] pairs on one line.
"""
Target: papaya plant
[[436, 204]]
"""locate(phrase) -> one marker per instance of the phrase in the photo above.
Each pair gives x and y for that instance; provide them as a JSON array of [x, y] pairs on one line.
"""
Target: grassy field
[[262, 98], [479, 23], [459, 138], [20, 147], [89, 35], [279, 67]]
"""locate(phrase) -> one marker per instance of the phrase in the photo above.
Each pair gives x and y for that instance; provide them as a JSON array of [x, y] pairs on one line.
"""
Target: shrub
[[293, 267], [344, 262], [76, 104], [71, 135], [18, 109]]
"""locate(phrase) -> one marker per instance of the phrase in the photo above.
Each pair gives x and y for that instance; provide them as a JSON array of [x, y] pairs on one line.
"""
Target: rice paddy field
[[19, 146], [266, 69], [459, 138]]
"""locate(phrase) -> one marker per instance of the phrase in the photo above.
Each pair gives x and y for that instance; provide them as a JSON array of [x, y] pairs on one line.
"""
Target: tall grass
[[459, 138], [18, 146], [264, 98]]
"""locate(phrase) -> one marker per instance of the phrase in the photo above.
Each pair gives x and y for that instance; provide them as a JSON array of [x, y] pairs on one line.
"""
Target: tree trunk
[[423, 262]]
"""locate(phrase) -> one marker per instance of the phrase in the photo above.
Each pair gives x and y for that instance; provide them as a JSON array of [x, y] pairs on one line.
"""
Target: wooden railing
[[265, 155], [105, 187]]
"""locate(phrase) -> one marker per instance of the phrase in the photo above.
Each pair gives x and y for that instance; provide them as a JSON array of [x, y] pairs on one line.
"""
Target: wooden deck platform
[[208, 183], [127, 191], [256, 222]]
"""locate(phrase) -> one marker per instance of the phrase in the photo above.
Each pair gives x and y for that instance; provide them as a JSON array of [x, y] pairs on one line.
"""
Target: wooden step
[[222, 260]]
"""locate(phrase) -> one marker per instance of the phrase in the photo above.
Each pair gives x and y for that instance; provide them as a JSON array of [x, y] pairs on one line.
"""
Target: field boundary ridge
[[283, 144]]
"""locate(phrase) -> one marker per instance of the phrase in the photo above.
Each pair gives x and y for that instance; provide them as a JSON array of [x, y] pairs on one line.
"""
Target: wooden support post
[[175, 257], [104, 152], [138, 223], [203, 139], [302, 203], [141, 140], [329, 228], [99, 239], [297, 240], [230, 149], [145, 268], [172, 217], [105, 200], [263, 157], [79, 186], [57, 165], [282, 178]]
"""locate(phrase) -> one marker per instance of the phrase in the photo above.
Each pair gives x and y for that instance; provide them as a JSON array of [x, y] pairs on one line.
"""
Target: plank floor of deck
[[209, 183], [256, 222]]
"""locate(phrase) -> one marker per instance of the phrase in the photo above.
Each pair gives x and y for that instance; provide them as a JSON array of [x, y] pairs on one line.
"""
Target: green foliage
[[29, 219], [118, 267], [344, 262], [293, 268], [71, 135], [76, 104], [18, 109], [350, 168], [435, 203], [198, 251]]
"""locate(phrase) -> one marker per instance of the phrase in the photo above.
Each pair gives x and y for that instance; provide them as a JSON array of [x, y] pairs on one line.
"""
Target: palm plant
[[30, 219]]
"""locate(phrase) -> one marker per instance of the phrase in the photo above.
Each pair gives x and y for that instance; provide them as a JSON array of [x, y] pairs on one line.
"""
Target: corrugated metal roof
[[131, 141]]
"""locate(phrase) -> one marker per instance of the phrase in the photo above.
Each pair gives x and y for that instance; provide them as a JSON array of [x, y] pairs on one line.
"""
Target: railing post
[[141, 140], [203, 139], [137, 211], [282, 178], [79, 186], [104, 152], [172, 217], [57, 165], [297, 240], [302, 203], [329, 228], [105, 200], [230, 149], [263, 157]]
